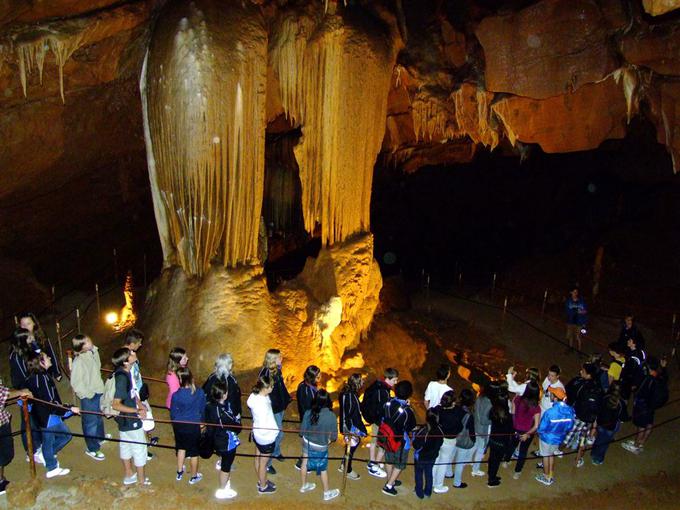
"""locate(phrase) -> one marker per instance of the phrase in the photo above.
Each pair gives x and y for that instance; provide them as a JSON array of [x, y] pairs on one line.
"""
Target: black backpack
[[660, 394], [371, 409], [588, 401]]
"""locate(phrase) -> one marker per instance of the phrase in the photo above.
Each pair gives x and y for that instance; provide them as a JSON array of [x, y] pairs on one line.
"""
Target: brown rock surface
[[657, 48], [665, 103], [546, 49], [659, 7]]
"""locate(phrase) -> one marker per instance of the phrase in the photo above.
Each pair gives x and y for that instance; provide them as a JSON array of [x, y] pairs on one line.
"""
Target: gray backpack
[[463, 440]]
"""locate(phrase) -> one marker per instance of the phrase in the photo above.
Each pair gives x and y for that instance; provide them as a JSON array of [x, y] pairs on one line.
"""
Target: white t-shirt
[[545, 400], [434, 392], [263, 416]]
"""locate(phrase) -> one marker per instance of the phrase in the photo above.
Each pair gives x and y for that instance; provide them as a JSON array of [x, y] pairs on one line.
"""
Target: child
[[6, 439], [187, 405], [372, 406], [265, 431], [618, 353], [611, 414], [133, 447], [435, 389], [133, 341], [526, 419], [318, 430], [50, 418], [586, 394], [426, 444], [218, 412], [306, 391], [86, 381], [552, 380], [39, 342], [465, 435], [399, 416], [280, 398], [224, 366], [555, 423], [447, 422], [482, 424], [350, 419], [176, 359], [501, 430]]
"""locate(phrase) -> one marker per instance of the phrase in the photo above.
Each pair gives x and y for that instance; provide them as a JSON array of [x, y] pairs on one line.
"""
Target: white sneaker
[[218, 465], [353, 475], [226, 493], [631, 448], [95, 455], [376, 471], [333, 493], [130, 480], [516, 475], [441, 490], [57, 471], [308, 487], [478, 473], [38, 457]]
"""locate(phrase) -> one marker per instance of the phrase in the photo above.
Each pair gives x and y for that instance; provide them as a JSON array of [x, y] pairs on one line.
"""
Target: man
[[630, 330], [401, 419], [586, 395], [577, 318], [6, 439], [556, 422], [372, 406], [633, 370]]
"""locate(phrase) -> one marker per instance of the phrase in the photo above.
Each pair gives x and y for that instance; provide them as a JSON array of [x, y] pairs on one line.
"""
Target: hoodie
[[555, 423]]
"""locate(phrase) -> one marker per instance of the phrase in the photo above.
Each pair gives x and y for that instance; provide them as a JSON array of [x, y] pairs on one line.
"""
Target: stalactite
[[206, 76], [430, 118], [473, 115]]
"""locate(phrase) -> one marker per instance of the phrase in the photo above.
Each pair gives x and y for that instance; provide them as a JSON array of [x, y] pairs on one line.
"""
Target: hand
[[25, 393], [58, 378], [202, 428], [142, 413], [523, 437], [663, 362], [75, 410]]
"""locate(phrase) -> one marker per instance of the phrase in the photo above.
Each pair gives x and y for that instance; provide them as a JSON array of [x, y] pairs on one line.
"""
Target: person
[[555, 423], [426, 444], [265, 430], [435, 389], [525, 419], [482, 428], [49, 417], [447, 422], [19, 352], [531, 374], [224, 371], [577, 318], [630, 330], [586, 395], [372, 406], [39, 341], [86, 381], [552, 380], [633, 370], [651, 395], [305, 393], [187, 405], [399, 416], [176, 359], [618, 353], [609, 417], [133, 447], [351, 423], [319, 429], [6, 439], [218, 411], [280, 398], [133, 340], [501, 431], [465, 435]]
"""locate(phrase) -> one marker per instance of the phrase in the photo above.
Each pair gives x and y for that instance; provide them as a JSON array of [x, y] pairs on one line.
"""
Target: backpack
[[463, 439], [370, 405], [588, 401], [660, 395], [107, 397], [387, 439]]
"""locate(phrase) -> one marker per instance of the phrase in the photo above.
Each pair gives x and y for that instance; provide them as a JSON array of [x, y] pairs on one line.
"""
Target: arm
[[534, 427]]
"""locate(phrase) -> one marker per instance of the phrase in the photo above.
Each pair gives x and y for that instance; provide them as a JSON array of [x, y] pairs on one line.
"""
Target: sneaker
[[218, 466], [38, 457], [146, 482], [333, 493], [226, 493], [307, 487], [629, 441], [590, 440], [544, 479], [95, 455], [493, 483], [390, 491], [179, 476], [516, 475], [149, 455], [478, 473], [353, 475], [443, 489], [267, 489], [3, 486], [377, 472], [462, 485], [505, 465], [536, 453], [195, 479], [580, 462], [153, 441], [271, 470], [631, 448], [129, 480], [341, 468], [596, 462], [57, 471], [539, 465]]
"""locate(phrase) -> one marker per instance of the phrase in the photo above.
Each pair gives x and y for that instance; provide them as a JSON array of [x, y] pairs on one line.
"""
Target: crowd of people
[[461, 428]]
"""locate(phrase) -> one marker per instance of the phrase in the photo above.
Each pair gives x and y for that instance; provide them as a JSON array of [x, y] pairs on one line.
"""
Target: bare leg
[[380, 455], [393, 476], [262, 475], [303, 471], [193, 463], [140, 474], [643, 435], [324, 480], [548, 466], [127, 466], [181, 454]]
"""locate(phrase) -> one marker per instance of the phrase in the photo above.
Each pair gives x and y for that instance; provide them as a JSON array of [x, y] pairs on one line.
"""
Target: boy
[[586, 394], [617, 352], [399, 416], [435, 389], [375, 398], [6, 439], [552, 380], [132, 411], [577, 318], [87, 384], [556, 422]]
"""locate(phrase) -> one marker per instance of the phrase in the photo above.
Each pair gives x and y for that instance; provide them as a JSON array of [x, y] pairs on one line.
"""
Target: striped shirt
[[5, 417]]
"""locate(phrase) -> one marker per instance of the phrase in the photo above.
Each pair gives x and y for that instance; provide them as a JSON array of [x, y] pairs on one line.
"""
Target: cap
[[558, 392]]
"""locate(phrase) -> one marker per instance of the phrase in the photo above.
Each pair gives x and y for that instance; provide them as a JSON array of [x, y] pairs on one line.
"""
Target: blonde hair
[[270, 358]]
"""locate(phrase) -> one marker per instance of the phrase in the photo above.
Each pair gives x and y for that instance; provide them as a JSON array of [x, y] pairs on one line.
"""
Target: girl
[[426, 444], [265, 431], [525, 420], [218, 412], [482, 428], [39, 341], [350, 420], [318, 430], [187, 405], [176, 359], [306, 391], [501, 430], [224, 365], [50, 418], [280, 398], [609, 418], [447, 450], [465, 430]]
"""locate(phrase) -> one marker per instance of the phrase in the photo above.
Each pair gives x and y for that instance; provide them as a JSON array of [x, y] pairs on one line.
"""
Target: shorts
[[134, 451], [6, 444], [643, 416], [266, 449], [573, 332], [545, 449], [227, 461], [187, 437], [397, 459], [578, 432]]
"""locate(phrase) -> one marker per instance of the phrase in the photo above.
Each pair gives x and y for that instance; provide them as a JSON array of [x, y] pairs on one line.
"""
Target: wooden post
[[505, 309], [673, 327], [493, 283], [460, 278], [427, 294], [16, 321], [78, 319], [545, 300], [61, 352], [99, 307], [29, 435]]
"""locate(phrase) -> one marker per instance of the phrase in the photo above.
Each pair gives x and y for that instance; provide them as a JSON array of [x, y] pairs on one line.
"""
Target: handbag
[[463, 440], [148, 423]]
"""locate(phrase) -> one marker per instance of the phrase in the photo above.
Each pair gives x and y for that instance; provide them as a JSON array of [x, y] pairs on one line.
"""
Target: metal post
[[99, 308], [115, 266], [61, 352], [673, 327], [427, 294], [545, 300], [78, 319], [348, 446], [505, 308], [29, 435]]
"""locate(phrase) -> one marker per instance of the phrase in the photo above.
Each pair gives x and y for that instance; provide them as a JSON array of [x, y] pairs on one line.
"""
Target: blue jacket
[[187, 406], [555, 423], [576, 311]]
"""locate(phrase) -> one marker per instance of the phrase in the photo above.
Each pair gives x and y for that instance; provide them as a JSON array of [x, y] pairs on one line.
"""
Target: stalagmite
[[205, 108]]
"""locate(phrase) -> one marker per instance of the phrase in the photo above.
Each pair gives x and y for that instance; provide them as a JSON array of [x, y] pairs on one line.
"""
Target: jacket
[[305, 394], [350, 414], [233, 393], [188, 406], [324, 431], [86, 378], [279, 396], [17, 370], [399, 415], [42, 386], [555, 423], [219, 414], [375, 398]]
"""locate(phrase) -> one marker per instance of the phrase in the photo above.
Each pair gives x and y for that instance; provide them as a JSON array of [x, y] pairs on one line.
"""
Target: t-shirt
[[124, 392], [615, 369], [523, 418], [545, 399], [434, 392], [265, 428]]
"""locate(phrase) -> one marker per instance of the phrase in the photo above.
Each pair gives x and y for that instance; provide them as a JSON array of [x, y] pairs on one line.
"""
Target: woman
[[224, 365], [280, 398], [482, 428], [612, 412], [526, 419], [176, 359], [501, 430], [187, 405], [39, 341], [465, 438], [306, 391], [265, 431], [318, 430], [352, 425], [447, 423]]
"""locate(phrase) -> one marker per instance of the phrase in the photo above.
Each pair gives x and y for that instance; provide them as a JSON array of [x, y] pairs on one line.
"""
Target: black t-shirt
[[126, 421]]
